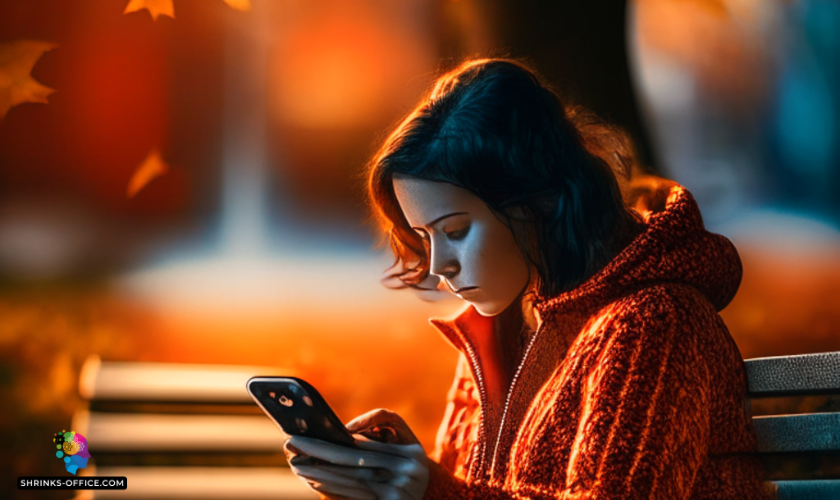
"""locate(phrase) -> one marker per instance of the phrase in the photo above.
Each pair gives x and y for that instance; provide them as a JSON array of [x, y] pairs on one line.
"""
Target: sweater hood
[[675, 248]]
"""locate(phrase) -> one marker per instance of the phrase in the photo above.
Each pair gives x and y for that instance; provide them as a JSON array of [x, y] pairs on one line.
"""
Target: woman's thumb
[[382, 425]]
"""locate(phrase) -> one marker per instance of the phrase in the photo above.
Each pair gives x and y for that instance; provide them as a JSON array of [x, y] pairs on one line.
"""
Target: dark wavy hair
[[491, 126]]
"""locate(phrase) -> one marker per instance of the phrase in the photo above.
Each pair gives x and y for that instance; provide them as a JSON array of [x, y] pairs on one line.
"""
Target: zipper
[[475, 366], [509, 395], [482, 391]]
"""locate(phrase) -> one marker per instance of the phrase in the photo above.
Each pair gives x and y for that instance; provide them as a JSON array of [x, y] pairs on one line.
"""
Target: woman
[[593, 362]]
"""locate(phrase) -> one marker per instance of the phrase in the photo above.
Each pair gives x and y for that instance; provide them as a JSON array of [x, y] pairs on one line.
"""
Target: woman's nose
[[443, 264]]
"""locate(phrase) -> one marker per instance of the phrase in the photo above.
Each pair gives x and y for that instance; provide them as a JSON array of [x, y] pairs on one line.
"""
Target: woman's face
[[470, 248]]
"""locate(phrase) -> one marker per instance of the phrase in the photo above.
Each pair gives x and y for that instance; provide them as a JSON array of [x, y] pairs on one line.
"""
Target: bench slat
[[160, 432], [168, 382], [794, 375], [808, 490], [205, 483], [798, 433]]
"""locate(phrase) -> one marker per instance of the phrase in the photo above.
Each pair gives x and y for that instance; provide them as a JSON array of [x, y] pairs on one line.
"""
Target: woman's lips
[[466, 289]]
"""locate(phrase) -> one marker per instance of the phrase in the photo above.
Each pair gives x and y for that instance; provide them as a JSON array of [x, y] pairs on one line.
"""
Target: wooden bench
[[192, 431], [182, 432], [800, 451]]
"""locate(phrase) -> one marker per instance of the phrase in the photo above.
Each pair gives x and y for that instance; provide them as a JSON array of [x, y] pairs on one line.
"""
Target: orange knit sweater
[[631, 387]]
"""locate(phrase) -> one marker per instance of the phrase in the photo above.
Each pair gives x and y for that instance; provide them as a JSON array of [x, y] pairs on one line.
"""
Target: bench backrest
[[801, 451], [182, 431]]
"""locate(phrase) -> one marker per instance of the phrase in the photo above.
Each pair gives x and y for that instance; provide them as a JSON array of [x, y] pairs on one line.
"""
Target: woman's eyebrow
[[440, 219]]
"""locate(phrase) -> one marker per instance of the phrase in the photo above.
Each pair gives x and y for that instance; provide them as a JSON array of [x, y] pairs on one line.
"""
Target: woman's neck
[[513, 328]]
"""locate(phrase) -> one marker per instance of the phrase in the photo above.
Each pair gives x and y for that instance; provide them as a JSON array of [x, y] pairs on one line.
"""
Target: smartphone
[[298, 409]]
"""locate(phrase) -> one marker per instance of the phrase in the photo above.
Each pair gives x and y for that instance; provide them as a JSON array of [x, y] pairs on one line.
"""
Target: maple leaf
[[17, 86], [151, 168], [155, 7], [243, 5]]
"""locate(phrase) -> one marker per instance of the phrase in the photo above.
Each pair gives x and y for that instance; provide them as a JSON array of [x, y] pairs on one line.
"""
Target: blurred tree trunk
[[582, 48]]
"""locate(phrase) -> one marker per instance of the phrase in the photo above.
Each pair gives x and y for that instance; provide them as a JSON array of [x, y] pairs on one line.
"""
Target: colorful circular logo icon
[[72, 448]]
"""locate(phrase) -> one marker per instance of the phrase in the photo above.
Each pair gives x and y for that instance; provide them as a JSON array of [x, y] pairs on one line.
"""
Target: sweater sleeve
[[644, 423]]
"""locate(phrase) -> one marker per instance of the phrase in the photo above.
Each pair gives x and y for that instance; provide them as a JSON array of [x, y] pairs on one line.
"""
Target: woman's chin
[[488, 308]]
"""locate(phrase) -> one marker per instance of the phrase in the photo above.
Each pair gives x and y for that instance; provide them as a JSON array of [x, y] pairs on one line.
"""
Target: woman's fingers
[[333, 484], [295, 457], [289, 450], [360, 473], [343, 491], [390, 492], [372, 470], [343, 455], [298, 460], [404, 482], [374, 418], [382, 418], [400, 450], [320, 475]]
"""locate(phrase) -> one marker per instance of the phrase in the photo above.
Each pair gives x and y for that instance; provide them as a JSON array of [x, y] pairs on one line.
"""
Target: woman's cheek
[[481, 248], [476, 266]]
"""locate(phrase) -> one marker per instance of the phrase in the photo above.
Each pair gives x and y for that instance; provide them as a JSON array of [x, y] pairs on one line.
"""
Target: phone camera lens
[[285, 401]]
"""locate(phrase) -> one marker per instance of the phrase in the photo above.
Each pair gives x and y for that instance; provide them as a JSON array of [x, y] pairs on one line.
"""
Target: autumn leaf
[[17, 86], [155, 7], [243, 5], [151, 168]]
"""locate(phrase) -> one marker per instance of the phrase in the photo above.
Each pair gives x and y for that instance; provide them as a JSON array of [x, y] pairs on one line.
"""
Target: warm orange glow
[[359, 358], [151, 168], [16, 84], [786, 304], [155, 7], [243, 5], [343, 67], [119, 106], [714, 7]]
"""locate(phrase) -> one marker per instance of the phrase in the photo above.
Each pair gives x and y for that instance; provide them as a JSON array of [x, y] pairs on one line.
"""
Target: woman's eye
[[460, 234]]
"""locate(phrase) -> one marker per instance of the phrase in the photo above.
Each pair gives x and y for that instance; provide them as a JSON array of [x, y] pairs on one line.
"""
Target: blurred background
[[191, 192]]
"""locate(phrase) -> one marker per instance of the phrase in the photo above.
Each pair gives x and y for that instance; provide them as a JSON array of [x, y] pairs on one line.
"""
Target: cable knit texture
[[631, 387]]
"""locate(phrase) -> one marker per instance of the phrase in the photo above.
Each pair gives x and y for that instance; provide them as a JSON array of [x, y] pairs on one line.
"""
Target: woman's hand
[[396, 469]]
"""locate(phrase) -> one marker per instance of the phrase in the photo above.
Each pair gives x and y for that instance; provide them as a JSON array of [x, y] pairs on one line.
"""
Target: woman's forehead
[[423, 201]]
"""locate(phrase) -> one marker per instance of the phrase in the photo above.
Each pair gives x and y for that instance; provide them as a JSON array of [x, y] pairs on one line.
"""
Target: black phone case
[[298, 409]]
